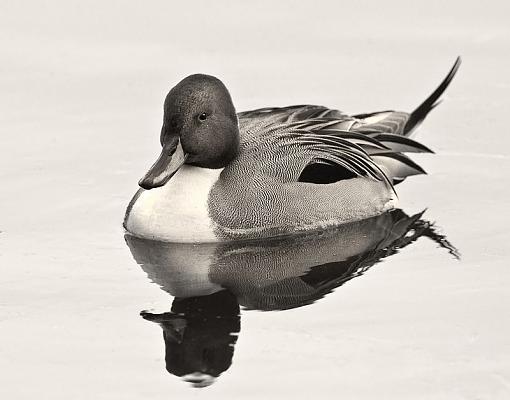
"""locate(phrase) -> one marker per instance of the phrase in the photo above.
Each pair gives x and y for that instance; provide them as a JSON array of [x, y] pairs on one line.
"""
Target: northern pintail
[[225, 176]]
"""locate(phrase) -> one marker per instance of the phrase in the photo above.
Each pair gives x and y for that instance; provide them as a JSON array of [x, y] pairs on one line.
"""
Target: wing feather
[[398, 165], [402, 144]]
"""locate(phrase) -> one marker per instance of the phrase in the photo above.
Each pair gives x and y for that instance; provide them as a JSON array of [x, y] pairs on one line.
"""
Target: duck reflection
[[210, 282]]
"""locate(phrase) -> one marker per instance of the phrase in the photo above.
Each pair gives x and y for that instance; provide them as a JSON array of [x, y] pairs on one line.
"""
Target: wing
[[319, 145]]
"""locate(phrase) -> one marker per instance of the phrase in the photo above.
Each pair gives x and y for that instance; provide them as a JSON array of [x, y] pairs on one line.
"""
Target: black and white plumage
[[270, 171]]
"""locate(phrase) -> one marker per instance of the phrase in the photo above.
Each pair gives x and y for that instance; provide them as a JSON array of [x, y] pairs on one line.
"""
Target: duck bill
[[172, 157]]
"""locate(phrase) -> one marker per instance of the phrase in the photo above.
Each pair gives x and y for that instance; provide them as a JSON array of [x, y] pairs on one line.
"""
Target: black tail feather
[[432, 101]]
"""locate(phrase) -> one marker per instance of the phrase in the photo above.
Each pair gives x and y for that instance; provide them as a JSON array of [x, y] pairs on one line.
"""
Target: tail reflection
[[211, 281]]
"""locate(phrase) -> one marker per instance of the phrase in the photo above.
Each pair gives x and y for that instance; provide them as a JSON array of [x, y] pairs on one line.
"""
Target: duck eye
[[202, 117]]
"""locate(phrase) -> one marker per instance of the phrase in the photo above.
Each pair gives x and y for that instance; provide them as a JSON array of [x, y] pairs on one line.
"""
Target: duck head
[[199, 128]]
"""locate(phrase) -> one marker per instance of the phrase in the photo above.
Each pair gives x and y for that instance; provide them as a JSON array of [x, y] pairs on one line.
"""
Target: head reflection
[[211, 281], [200, 334]]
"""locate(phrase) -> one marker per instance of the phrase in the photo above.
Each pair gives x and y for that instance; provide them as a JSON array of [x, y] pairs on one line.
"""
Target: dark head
[[199, 128]]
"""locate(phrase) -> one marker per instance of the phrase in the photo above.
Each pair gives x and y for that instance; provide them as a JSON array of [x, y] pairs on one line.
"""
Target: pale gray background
[[81, 91]]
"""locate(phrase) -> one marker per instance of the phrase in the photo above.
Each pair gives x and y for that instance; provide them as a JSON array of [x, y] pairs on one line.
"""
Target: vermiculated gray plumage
[[363, 154]]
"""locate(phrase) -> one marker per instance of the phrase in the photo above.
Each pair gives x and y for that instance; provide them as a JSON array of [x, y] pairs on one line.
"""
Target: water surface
[[211, 282], [81, 107]]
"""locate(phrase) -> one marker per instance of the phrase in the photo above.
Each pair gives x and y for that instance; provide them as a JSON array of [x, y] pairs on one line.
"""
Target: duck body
[[272, 171], [213, 208]]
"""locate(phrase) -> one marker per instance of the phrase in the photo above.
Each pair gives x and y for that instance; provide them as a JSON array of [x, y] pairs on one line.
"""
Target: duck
[[225, 176]]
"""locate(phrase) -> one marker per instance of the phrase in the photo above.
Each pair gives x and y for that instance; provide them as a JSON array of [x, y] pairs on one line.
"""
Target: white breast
[[177, 211]]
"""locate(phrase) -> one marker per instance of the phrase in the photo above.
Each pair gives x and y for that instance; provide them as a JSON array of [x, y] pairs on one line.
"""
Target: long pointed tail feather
[[432, 101]]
